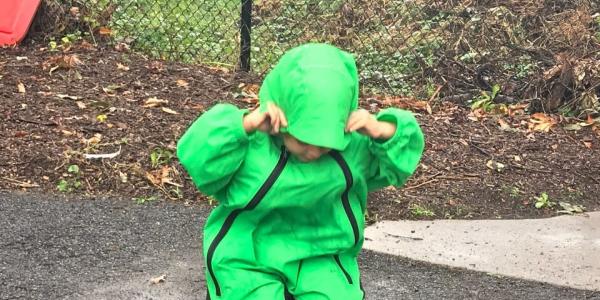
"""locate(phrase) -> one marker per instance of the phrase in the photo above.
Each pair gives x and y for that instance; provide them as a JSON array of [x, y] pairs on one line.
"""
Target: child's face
[[304, 152]]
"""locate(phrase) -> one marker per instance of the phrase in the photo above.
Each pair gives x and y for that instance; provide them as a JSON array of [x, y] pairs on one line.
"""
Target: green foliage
[[144, 200], [161, 156], [420, 211], [486, 100], [71, 182], [543, 201]]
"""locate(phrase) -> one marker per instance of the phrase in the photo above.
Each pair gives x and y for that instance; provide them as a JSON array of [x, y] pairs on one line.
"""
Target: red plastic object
[[15, 19]]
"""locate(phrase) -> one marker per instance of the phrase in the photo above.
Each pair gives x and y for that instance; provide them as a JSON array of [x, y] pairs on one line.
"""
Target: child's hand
[[366, 123], [269, 121]]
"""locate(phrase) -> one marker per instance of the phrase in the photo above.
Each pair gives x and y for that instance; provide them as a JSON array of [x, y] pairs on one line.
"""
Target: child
[[292, 179]]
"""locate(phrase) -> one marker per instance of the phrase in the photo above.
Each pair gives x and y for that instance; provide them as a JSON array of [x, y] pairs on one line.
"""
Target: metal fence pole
[[245, 30]]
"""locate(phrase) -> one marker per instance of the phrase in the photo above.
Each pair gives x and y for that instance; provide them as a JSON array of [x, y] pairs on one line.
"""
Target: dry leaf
[[122, 67], [81, 105], [74, 11], [503, 124], [64, 61], [158, 279], [155, 102], [21, 88], [20, 134], [494, 165], [159, 177], [169, 111], [63, 96], [588, 144], [104, 31], [541, 122], [67, 133], [182, 83], [93, 140]]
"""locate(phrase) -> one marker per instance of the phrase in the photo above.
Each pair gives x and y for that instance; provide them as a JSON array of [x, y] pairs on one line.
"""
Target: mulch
[[57, 107]]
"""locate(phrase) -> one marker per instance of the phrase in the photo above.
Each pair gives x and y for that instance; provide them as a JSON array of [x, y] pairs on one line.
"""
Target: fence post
[[245, 30]]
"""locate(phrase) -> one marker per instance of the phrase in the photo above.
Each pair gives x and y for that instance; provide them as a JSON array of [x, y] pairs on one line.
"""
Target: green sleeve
[[397, 158], [214, 147]]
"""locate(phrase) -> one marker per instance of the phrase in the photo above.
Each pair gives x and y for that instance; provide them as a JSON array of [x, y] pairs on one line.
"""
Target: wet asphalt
[[65, 248]]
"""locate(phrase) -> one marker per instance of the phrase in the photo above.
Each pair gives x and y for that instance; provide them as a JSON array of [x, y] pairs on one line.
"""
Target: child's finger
[[274, 118], [360, 123], [284, 121], [354, 118]]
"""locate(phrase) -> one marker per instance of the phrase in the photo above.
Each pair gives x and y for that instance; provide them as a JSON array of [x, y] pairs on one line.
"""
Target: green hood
[[316, 86]]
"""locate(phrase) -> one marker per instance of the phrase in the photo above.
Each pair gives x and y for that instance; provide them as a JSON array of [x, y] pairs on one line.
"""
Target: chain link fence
[[394, 41], [420, 48]]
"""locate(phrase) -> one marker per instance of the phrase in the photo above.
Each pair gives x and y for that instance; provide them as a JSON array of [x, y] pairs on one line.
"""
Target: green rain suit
[[284, 228]]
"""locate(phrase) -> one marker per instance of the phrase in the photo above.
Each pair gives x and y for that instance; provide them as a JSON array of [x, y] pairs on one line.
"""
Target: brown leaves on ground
[[162, 176], [541, 122], [66, 62], [407, 103]]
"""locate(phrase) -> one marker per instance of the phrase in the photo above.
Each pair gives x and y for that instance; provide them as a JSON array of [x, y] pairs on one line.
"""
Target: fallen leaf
[[112, 88], [93, 140], [517, 158], [67, 133], [105, 31], [155, 102], [21, 88], [169, 111], [64, 61], [20, 58], [121, 47], [158, 279], [573, 127], [182, 83], [123, 177], [541, 122], [122, 67], [160, 177], [74, 11], [554, 147], [64, 96], [494, 165], [101, 118], [504, 125], [20, 134], [81, 105], [570, 208], [588, 144], [107, 155]]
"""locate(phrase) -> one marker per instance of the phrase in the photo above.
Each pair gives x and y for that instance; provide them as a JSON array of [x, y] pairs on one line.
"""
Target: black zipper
[[346, 203], [283, 158], [337, 260]]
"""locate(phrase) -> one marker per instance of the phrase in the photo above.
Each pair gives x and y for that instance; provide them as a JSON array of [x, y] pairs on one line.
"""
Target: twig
[[530, 169], [437, 91], [419, 185], [472, 144], [403, 237], [590, 177], [15, 164], [20, 183], [458, 178], [36, 122]]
